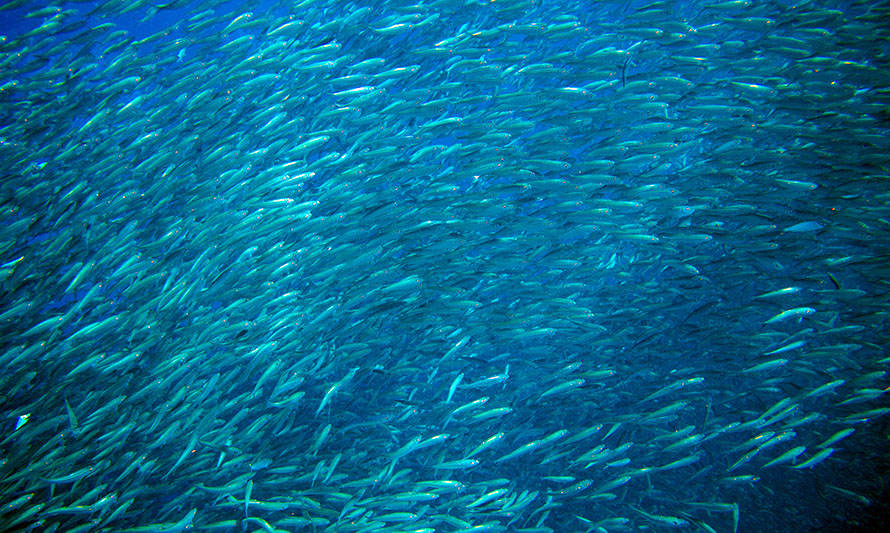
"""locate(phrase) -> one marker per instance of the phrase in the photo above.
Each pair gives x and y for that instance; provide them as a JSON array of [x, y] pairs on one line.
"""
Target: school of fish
[[451, 265]]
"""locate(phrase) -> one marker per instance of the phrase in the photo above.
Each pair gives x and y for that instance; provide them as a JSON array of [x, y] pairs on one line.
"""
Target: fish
[[441, 267], [790, 455], [791, 313]]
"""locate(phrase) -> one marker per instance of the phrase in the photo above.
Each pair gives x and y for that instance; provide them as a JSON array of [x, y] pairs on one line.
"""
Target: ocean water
[[453, 266]]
